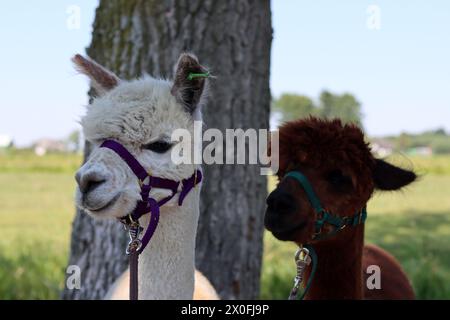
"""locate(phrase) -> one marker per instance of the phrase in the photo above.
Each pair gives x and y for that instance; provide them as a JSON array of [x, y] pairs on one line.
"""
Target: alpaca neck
[[339, 268], [166, 266]]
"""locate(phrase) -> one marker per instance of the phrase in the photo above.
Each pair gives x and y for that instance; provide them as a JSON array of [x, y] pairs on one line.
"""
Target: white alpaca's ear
[[189, 81], [102, 80]]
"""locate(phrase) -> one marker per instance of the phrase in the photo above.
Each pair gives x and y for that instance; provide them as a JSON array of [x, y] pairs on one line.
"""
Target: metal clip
[[134, 230], [195, 178], [302, 260]]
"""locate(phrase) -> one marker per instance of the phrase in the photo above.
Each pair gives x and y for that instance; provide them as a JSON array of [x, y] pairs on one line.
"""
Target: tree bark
[[232, 38]]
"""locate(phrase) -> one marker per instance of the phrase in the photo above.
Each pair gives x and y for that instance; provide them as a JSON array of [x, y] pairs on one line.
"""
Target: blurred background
[[381, 64]]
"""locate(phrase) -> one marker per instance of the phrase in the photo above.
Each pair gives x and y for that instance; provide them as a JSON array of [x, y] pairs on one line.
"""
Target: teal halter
[[323, 217], [337, 222]]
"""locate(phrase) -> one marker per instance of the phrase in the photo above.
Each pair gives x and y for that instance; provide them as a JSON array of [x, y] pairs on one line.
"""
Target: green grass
[[36, 211], [437, 164], [413, 224], [26, 161]]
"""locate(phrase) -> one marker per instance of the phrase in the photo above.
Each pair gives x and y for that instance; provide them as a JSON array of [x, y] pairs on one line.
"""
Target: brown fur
[[316, 148], [394, 285], [322, 146]]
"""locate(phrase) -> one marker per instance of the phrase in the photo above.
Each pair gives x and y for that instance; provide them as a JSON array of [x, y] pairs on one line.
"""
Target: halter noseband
[[324, 216], [148, 204], [306, 254]]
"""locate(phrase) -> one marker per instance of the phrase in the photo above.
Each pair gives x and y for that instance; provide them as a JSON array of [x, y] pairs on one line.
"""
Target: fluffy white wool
[[138, 111]]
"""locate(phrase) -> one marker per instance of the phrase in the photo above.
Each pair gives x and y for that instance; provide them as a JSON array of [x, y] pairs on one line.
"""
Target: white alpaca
[[142, 114]]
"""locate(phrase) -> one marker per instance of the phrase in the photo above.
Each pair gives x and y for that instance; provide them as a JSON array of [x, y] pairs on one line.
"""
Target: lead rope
[[134, 230], [304, 256], [136, 246], [133, 261]]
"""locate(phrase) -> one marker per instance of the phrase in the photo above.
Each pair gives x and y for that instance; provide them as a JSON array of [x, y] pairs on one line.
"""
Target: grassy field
[[36, 211]]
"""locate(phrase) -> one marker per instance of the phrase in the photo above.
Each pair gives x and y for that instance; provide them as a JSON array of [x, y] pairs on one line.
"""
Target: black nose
[[89, 182], [280, 201]]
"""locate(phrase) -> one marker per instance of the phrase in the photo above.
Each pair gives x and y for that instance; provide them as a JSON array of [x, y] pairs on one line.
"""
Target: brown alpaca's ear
[[389, 177], [189, 81], [102, 80]]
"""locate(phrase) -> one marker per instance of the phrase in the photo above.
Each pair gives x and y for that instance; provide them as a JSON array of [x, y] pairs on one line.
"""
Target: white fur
[[136, 113], [203, 289]]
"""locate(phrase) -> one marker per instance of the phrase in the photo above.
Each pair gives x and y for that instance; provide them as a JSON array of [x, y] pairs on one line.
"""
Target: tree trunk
[[233, 38]]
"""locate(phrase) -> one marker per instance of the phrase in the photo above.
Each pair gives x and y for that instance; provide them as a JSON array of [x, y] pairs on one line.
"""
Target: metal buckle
[[127, 221], [133, 246], [134, 230], [320, 220], [322, 216], [302, 260], [195, 177], [133, 223], [301, 254], [149, 176], [318, 231]]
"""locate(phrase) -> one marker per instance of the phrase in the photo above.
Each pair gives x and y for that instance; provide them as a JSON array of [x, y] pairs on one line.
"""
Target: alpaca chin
[[118, 206]]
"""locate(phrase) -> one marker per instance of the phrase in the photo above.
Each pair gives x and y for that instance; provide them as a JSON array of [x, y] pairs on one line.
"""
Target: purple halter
[[147, 204]]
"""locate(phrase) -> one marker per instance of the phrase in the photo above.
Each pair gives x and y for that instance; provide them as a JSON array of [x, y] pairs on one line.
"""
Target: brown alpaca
[[343, 173]]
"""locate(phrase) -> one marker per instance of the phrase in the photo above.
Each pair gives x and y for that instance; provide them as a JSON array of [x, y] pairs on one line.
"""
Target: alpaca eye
[[158, 146], [339, 181]]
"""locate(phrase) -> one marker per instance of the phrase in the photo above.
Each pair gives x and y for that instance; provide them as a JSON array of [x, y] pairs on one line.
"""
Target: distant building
[[6, 141], [382, 147], [42, 146], [421, 151]]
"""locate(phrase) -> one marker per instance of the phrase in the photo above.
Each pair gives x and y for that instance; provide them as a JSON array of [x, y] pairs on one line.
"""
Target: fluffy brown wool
[[324, 146]]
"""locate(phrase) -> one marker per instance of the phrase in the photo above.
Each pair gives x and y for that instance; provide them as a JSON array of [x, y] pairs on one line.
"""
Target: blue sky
[[400, 72]]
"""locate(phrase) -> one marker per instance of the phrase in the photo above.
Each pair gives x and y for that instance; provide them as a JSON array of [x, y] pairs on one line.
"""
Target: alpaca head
[[140, 114], [340, 167]]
